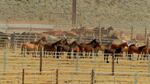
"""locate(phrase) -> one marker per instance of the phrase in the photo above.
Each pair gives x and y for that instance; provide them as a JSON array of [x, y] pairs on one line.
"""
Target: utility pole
[[74, 13]]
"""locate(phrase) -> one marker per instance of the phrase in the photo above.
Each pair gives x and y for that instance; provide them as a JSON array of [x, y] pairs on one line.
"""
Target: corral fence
[[85, 69], [14, 40], [42, 61], [56, 76]]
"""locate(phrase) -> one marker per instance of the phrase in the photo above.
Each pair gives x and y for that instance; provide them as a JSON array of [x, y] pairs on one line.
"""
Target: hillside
[[119, 13]]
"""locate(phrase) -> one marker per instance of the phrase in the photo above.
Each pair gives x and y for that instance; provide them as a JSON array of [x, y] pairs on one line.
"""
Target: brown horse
[[88, 48], [74, 46], [145, 53], [58, 47], [32, 46], [74, 49], [134, 49], [114, 49]]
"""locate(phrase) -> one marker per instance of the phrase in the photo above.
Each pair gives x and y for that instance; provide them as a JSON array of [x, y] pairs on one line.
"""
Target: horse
[[32, 46], [59, 46], [134, 49], [145, 53], [114, 49], [93, 46], [74, 48]]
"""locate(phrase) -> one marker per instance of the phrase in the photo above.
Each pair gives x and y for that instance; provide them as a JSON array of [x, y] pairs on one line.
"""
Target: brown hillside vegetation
[[118, 13]]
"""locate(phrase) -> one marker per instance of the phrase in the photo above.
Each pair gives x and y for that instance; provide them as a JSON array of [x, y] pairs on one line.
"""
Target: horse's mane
[[56, 42], [131, 45], [94, 43], [141, 47], [74, 42], [36, 42]]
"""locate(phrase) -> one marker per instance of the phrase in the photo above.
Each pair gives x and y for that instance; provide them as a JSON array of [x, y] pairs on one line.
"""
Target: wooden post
[[149, 65], [92, 77], [57, 74], [113, 64], [135, 79], [131, 34], [5, 59], [147, 42], [73, 13], [41, 61], [100, 36], [77, 62], [23, 76], [145, 35]]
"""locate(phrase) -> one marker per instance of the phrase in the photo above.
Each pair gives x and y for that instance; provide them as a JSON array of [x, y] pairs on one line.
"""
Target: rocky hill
[[119, 13]]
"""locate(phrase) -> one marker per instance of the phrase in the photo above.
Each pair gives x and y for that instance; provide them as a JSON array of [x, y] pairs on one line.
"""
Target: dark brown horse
[[114, 49], [58, 47], [134, 49], [32, 46], [74, 46], [145, 53], [88, 48], [74, 49]]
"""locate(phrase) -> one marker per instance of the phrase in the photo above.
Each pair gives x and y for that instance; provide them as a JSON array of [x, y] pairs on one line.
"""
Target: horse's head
[[44, 39], [124, 44], [74, 43], [65, 42], [94, 43]]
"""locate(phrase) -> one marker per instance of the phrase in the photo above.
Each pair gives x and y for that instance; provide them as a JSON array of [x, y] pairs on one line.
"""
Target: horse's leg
[[105, 57], [129, 56], [107, 61], [116, 58], [147, 56], [91, 54], [140, 56], [58, 53]]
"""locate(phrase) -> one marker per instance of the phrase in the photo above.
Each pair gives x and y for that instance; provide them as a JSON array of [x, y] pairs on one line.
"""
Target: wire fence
[[14, 40], [71, 70], [57, 76]]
